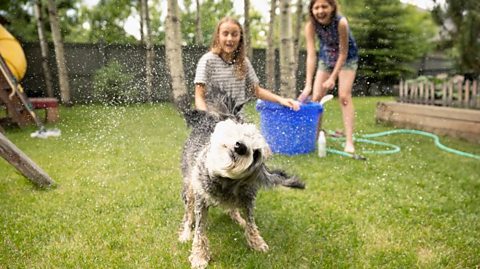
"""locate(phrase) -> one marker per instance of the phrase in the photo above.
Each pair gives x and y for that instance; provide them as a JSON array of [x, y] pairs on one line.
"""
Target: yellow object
[[12, 53]]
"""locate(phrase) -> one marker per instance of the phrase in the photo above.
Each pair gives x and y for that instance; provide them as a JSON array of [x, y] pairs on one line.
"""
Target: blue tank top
[[329, 43]]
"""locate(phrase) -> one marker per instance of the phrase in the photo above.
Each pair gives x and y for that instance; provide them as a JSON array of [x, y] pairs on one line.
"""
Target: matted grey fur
[[223, 164]]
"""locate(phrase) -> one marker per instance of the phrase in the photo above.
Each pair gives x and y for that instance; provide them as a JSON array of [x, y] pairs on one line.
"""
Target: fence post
[[467, 93], [450, 93], [459, 92], [400, 90], [474, 93], [433, 93], [444, 93], [421, 96]]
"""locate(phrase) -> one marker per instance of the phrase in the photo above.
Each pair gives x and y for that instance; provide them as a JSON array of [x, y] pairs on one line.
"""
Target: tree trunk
[[173, 51], [287, 78], [43, 47], [59, 53], [246, 28], [140, 13], [23, 163], [198, 26], [296, 36], [150, 55], [270, 58]]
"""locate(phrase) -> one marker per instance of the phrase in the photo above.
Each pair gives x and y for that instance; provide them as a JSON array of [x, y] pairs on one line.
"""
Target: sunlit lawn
[[117, 203]]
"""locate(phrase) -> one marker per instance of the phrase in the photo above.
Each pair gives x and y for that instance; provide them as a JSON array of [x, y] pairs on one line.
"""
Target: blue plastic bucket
[[287, 131]]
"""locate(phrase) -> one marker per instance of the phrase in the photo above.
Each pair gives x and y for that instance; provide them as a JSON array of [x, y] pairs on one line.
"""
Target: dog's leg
[[200, 254], [235, 215], [254, 239], [187, 223]]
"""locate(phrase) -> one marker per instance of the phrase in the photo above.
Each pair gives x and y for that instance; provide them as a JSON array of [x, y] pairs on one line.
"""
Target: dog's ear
[[194, 116]]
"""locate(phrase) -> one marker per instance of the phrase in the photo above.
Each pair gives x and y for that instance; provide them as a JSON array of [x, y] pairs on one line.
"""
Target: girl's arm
[[267, 95], [200, 103], [311, 60], [343, 52]]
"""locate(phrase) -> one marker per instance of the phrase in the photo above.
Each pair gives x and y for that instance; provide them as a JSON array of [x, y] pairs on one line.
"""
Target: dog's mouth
[[233, 156], [256, 155]]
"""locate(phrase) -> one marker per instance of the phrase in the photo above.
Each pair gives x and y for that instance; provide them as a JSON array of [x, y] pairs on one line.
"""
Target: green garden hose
[[394, 148]]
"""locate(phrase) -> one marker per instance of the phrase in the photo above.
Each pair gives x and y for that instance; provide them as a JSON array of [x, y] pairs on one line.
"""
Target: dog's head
[[236, 150]]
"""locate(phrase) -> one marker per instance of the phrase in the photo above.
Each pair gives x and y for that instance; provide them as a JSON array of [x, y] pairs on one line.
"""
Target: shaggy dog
[[224, 164]]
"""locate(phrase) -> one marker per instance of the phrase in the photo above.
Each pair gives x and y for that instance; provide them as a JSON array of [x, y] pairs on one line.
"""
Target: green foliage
[[211, 12], [118, 203], [105, 23], [114, 86], [258, 29], [22, 24], [390, 37], [156, 24], [461, 20]]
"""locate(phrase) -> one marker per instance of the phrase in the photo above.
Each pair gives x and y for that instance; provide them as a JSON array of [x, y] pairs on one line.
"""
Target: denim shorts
[[349, 65]]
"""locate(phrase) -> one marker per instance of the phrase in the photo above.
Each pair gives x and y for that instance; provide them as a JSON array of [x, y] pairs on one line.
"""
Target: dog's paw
[[185, 236], [198, 262], [258, 244]]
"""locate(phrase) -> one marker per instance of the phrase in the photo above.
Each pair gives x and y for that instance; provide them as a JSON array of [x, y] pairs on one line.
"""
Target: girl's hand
[[288, 102], [304, 95], [329, 84]]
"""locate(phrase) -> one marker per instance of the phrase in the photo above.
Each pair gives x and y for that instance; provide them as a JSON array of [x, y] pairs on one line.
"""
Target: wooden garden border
[[454, 122]]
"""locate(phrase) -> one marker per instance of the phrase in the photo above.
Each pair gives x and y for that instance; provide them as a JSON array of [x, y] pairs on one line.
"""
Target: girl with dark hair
[[337, 60]]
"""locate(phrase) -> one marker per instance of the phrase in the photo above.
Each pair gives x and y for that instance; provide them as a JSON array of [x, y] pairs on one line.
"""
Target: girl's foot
[[349, 149]]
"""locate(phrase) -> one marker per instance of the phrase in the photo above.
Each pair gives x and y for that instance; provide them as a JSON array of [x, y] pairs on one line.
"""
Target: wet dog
[[223, 164]]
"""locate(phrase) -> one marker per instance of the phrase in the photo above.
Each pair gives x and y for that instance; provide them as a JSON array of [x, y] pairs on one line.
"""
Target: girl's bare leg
[[319, 92], [345, 83]]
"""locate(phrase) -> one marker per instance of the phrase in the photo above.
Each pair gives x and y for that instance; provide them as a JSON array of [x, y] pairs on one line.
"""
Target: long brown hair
[[238, 54], [333, 3]]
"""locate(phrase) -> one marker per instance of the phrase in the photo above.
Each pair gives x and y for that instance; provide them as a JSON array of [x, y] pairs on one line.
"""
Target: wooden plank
[[439, 127], [434, 123], [400, 91], [467, 93], [428, 91], [432, 93], [459, 94], [450, 94], [413, 93], [468, 130], [474, 93], [444, 93], [23, 163], [435, 111], [421, 96]]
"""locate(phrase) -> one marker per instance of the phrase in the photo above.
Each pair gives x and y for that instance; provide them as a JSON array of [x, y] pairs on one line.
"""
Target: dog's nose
[[240, 148]]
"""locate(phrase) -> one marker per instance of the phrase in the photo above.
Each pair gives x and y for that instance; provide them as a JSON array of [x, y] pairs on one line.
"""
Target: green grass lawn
[[117, 203]]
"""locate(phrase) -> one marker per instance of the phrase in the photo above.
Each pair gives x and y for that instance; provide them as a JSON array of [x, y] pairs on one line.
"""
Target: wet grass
[[117, 203]]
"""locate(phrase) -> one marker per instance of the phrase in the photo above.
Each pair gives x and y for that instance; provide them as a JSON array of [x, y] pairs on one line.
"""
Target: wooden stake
[[23, 163]]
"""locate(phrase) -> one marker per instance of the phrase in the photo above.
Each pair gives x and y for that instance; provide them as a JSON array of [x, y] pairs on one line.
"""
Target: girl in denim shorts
[[337, 60]]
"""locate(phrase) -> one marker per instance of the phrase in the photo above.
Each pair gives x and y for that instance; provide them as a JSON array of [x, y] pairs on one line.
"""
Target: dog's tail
[[280, 178]]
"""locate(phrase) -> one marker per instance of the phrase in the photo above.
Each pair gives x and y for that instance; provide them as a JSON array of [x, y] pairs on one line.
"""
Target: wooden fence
[[450, 93]]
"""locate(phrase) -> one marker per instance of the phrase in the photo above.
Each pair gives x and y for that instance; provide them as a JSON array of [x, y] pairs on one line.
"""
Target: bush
[[113, 86]]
